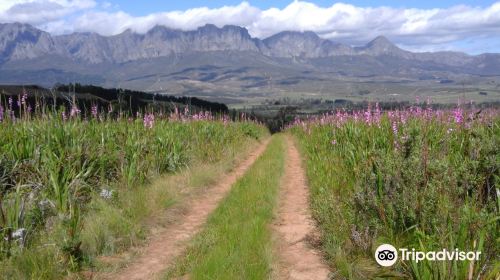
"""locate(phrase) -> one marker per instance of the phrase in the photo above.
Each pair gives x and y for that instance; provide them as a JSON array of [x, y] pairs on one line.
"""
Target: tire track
[[296, 230], [162, 250]]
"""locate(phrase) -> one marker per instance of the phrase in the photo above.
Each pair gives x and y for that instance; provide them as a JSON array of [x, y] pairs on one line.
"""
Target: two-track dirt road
[[294, 227]]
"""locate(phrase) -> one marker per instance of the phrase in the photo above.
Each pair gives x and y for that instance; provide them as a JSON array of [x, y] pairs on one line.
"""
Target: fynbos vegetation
[[418, 178], [57, 167]]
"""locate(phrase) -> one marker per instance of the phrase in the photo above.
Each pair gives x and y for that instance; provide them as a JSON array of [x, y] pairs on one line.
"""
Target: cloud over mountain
[[39, 12], [417, 28]]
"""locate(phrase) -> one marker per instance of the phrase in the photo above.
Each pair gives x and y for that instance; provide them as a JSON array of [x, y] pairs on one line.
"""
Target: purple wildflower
[[74, 111], [94, 111], [24, 97], [225, 119], [368, 117], [395, 128], [11, 110], [149, 120], [378, 114], [457, 114]]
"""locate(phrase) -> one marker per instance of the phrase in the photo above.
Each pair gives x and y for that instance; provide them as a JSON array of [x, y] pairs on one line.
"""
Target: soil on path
[[172, 241], [296, 230]]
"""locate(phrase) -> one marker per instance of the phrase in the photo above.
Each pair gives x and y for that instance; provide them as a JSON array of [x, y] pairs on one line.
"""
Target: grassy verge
[[236, 243], [112, 226], [77, 189], [414, 179]]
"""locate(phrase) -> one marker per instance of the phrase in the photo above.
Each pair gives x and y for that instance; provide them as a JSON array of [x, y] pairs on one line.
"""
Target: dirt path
[[172, 241], [296, 231]]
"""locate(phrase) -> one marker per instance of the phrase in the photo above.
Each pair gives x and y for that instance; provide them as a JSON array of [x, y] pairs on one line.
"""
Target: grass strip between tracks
[[236, 243]]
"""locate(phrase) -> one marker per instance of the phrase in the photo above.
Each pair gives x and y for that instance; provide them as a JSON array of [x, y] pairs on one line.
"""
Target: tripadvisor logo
[[387, 255]]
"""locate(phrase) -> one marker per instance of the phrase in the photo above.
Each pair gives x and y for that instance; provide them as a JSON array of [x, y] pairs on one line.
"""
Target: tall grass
[[419, 179], [236, 242], [58, 167]]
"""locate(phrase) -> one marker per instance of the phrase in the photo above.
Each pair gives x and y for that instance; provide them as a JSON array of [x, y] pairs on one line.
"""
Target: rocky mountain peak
[[382, 46], [294, 44], [292, 35], [22, 41], [226, 30], [380, 41]]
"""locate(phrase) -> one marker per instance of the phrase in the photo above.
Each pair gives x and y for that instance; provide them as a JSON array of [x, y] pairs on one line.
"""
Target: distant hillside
[[124, 100], [222, 64]]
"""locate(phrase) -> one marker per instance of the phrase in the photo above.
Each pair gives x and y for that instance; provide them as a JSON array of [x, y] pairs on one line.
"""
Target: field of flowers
[[418, 178], [53, 164]]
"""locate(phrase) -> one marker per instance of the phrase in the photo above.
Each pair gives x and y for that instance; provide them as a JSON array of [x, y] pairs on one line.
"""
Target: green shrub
[[52, 170], [430, 182]]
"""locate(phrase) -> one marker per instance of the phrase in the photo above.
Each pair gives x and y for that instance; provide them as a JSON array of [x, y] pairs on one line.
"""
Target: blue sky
[[468, 26], [141, 8]]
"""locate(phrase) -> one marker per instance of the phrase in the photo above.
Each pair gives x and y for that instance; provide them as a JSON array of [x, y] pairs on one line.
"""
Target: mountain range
[[214, 59]]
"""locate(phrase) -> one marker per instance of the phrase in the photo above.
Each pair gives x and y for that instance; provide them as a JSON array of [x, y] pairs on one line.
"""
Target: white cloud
[[416, 28], [112, 23], [41, 12]]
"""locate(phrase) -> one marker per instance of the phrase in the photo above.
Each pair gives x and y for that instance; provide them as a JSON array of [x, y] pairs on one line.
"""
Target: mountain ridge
[[219, 60], [163, 41]]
